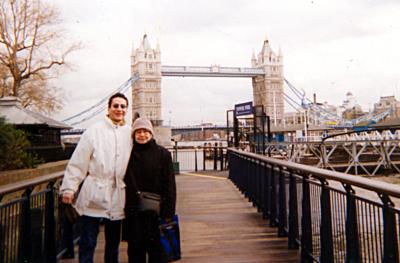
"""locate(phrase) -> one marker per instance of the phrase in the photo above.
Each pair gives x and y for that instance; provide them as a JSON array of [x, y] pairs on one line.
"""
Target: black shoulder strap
[[134, 184]]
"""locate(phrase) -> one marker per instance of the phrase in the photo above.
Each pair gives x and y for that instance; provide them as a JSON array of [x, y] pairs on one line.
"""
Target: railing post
[[50, 225], [221, 158], [293, 213], [176, 151], [282, 205], [26, 228], [273, 201], [390, 248], [2, 232], [259, 186], [306, 224], [263, 190], [326, 224], [204, 158], [266, 190], [352, 237], [215, 157], [195, 158]]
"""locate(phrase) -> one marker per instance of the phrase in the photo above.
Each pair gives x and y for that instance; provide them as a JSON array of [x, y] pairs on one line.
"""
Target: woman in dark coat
[[150, 169]]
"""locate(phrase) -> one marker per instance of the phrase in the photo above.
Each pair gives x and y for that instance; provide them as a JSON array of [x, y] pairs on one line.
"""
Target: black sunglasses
[[122, 106]]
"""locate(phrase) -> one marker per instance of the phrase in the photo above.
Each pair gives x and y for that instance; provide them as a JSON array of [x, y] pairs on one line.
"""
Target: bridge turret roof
[[146, 42]]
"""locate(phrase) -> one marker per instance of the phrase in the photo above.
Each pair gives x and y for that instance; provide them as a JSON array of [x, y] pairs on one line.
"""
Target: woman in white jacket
[[99, 161]]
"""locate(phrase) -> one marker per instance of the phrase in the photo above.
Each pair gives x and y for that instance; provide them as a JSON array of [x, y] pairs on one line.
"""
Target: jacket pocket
[[98, 195]]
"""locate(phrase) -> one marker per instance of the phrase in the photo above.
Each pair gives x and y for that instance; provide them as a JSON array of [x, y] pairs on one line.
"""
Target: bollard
[[221, 158], [175, 161], [215, 156], [204, 158], [195, 158]]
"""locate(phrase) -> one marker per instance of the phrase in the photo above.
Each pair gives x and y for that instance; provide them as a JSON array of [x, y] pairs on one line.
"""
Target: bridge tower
[[268, 89], [146, 91]]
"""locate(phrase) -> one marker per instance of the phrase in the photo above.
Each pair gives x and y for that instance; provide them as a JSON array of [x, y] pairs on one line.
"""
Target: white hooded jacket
[[100, 160]]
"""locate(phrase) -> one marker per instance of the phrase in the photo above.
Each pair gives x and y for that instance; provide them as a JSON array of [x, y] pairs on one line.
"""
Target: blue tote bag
[[170, 239]]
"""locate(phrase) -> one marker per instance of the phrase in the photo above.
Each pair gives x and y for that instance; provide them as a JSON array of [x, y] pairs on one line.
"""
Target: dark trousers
[[143, 238], [88, 240]]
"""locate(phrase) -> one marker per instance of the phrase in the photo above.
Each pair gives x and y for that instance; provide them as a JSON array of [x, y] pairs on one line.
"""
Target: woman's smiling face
[[142, 136]]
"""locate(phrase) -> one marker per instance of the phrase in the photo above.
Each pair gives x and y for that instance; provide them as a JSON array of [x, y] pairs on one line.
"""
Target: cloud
[[329, 48]]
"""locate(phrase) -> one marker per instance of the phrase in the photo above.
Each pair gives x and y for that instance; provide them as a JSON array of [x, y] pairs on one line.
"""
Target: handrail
[[22, 185], [328, 223], [381, 187]]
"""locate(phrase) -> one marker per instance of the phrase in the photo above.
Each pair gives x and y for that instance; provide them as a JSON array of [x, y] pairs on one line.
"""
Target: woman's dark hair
[[117, 95]]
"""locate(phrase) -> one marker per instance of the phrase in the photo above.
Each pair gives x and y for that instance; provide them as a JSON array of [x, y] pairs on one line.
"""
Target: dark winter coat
[[151, 166]]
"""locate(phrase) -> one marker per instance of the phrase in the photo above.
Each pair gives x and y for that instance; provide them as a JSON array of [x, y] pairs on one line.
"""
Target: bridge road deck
[[218, 224]]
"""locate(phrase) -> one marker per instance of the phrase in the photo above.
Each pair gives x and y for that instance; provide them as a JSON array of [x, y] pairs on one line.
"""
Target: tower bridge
[[266, 72]]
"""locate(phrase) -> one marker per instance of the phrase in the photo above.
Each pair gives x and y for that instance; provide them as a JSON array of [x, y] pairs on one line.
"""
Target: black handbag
[[70, 213], [148, 202]]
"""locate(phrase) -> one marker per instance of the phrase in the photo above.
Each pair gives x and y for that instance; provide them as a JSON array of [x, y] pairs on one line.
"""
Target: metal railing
[[199, 157], [33, 228], [330, 216], [369, 157]]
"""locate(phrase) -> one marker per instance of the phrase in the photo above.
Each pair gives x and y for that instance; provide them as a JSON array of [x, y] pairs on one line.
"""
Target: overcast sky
[[329, 48]]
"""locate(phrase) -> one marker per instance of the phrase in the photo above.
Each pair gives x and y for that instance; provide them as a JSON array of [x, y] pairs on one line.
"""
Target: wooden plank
[[219, 225]]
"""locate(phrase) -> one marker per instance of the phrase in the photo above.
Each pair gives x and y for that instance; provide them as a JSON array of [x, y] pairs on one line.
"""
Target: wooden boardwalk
[[219, 225]]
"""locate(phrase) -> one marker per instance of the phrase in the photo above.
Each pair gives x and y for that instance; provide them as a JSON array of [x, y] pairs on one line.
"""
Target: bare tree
[[33, 51], [3, 81]]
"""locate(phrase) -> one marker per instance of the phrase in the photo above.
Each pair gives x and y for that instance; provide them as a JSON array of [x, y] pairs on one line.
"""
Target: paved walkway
[[219, 225]]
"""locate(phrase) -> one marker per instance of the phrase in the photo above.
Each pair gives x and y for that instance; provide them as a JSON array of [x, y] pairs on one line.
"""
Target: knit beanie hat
[[142, 123]]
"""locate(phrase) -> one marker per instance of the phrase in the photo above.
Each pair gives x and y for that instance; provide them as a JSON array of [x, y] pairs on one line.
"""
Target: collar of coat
[[119, 123]]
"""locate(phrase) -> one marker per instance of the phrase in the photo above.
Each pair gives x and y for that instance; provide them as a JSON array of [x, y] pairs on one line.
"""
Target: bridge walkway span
[[218, 224]]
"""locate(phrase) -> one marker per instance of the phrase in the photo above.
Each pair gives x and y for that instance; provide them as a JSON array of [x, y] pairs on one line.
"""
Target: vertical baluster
[[326, 224], [215, 156], [273, 201], [25, 228], [268, 190], [293, 213], [3, 215], [282, 204], [50, 225], [390, 248], [306, 224], [195, 158], [221, 158], [352, 237], [262, 188]]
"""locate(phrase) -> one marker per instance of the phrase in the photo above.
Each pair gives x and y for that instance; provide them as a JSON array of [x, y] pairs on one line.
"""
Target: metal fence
[[200, 158], [330, 216], [33, 228]]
